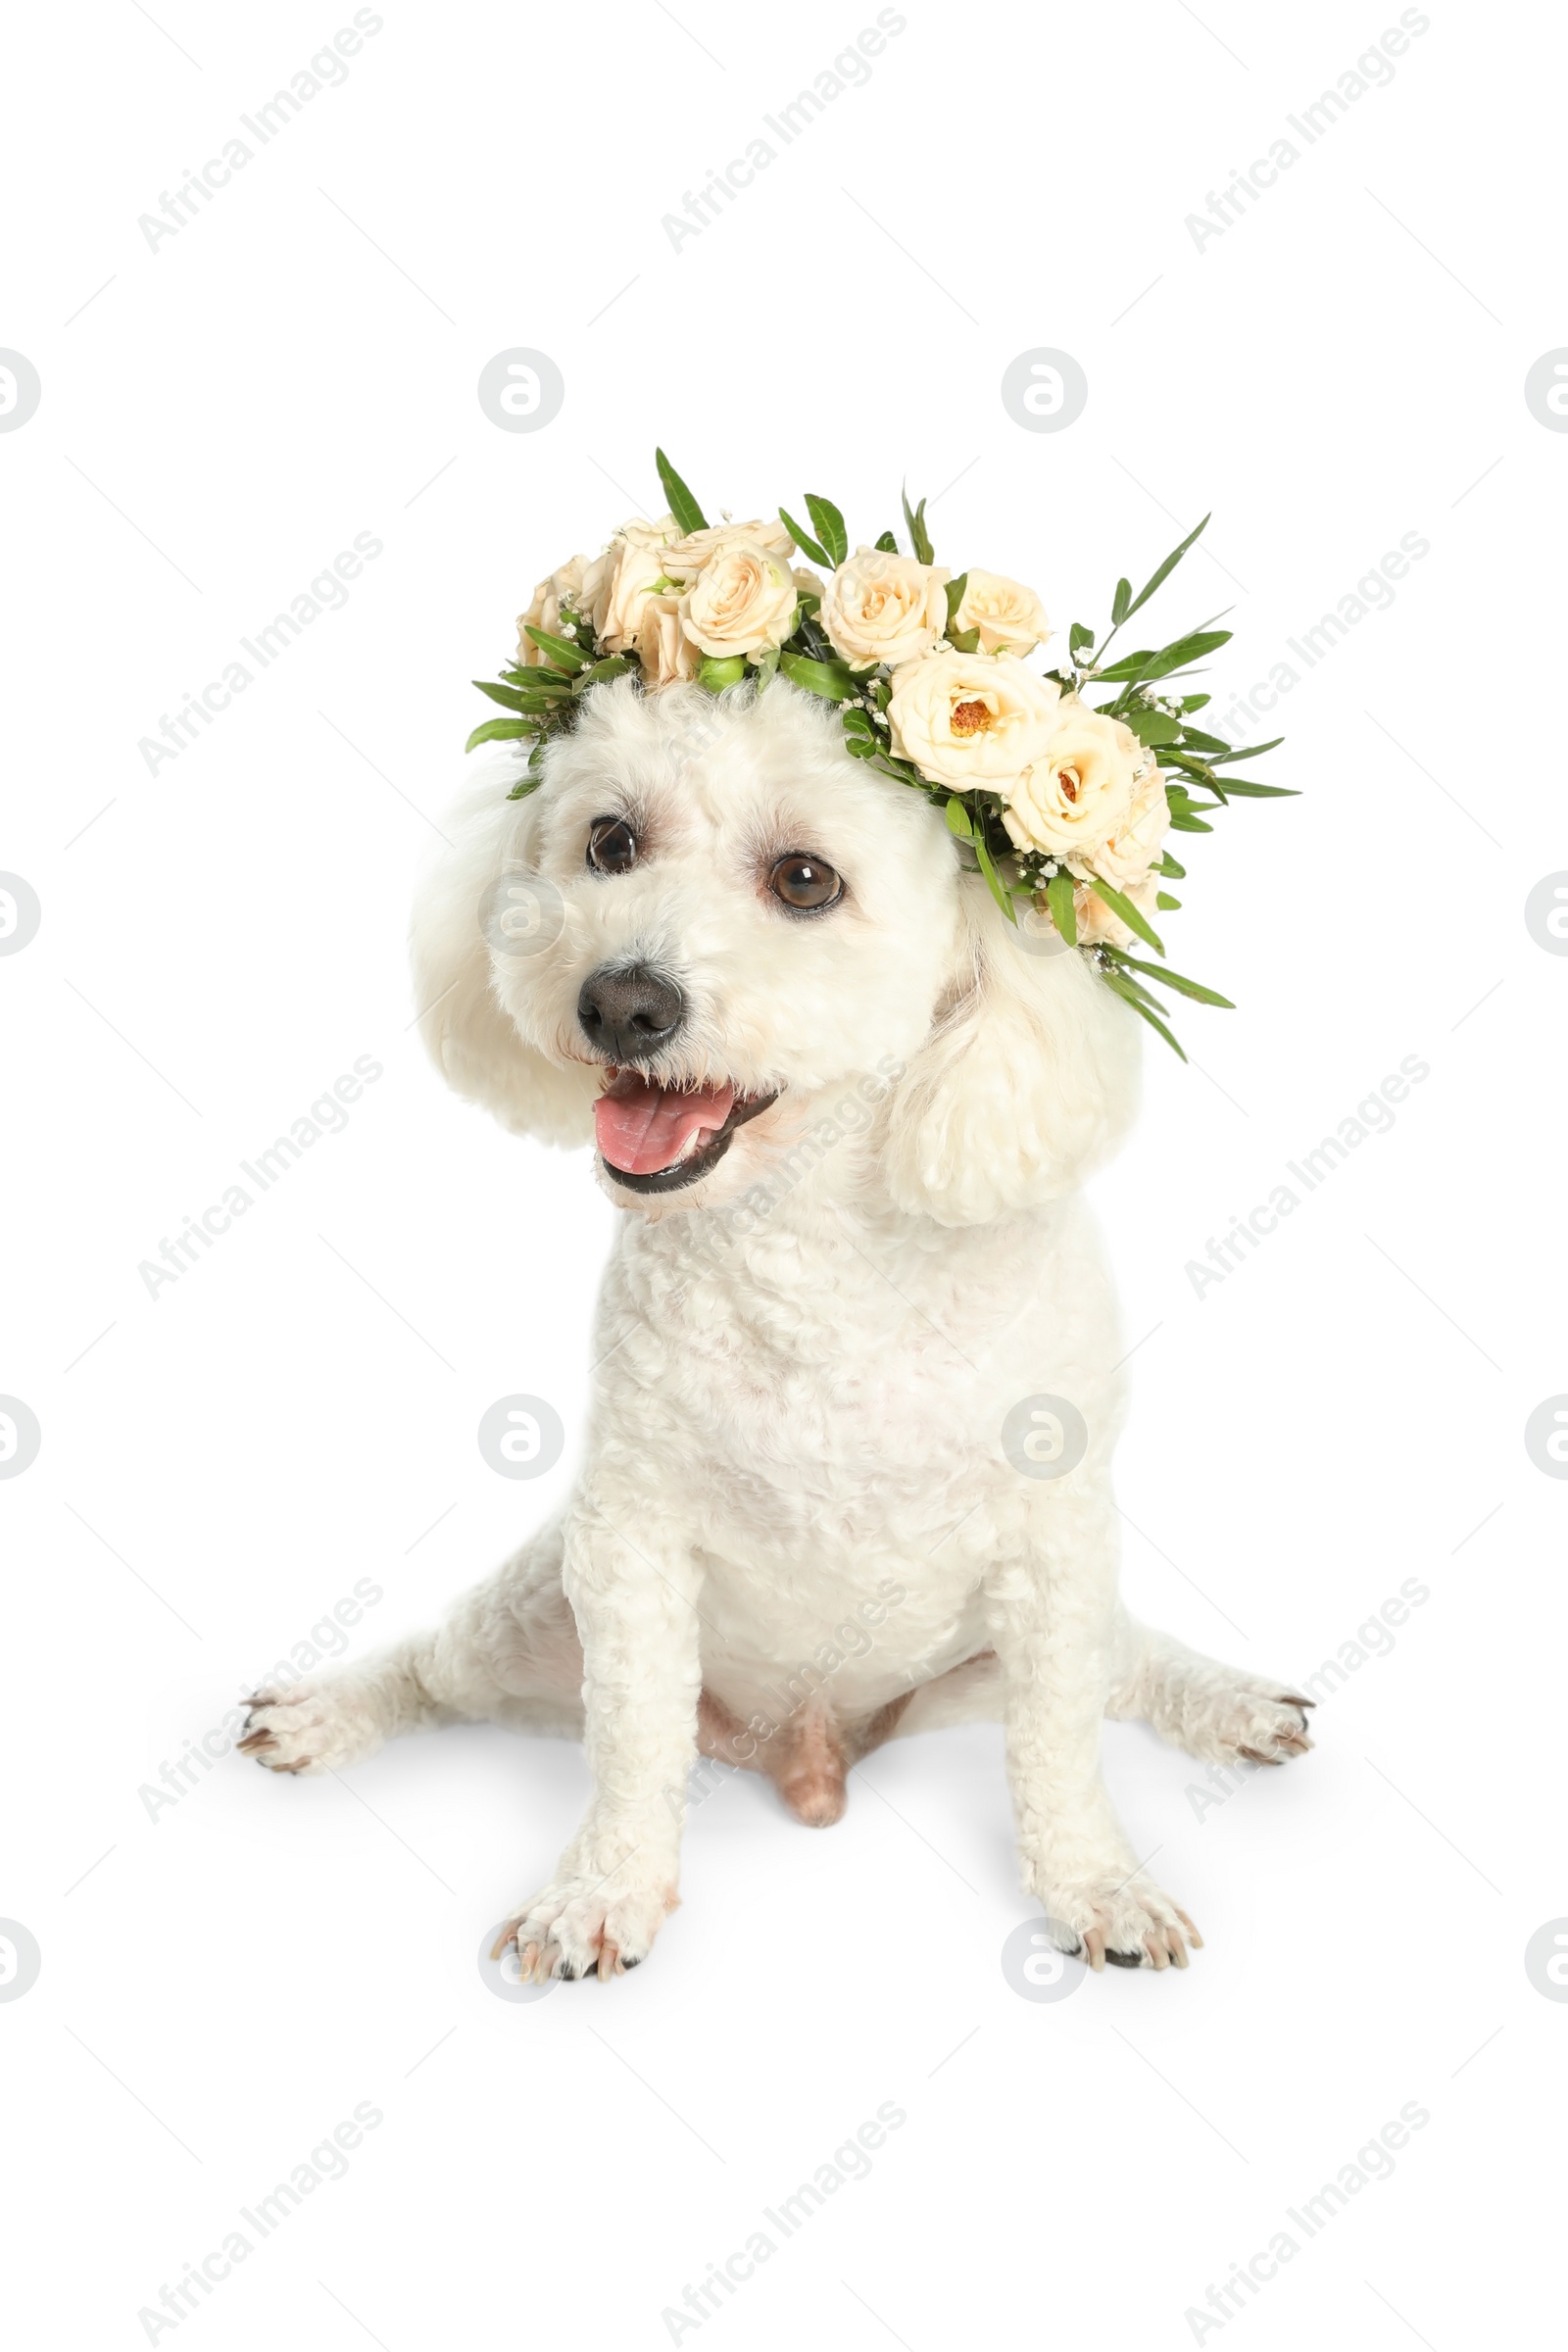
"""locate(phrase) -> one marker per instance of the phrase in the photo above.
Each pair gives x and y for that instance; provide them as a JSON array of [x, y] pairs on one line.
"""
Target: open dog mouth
[[658, 1138]]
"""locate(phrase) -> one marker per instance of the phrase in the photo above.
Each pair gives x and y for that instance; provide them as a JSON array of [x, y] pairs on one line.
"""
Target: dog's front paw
[[318, 1727], [1231, 1716], [582, 1927], [1130, 1924]]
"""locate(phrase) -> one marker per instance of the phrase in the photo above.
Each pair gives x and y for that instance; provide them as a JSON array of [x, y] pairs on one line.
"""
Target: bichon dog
[[847, 1473]]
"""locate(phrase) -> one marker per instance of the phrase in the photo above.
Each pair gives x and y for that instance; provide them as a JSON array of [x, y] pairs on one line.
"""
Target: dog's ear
[[471, 1036], [1026, 1083]]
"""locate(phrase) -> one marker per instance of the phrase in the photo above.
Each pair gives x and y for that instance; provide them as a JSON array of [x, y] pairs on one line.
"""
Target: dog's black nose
[[627, 1015]]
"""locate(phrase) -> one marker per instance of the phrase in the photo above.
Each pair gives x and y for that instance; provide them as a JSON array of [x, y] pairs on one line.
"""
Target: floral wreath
[[1066, 805]]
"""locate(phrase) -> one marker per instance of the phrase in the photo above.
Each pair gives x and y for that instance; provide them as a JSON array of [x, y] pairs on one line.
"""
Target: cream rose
[[1100, 925], [1126, 856], [664, 649], [1009, 616], [971, 718], [1071, 797], [563, 587], [742, 602], [882, 608], [686, 557], [618, 584]]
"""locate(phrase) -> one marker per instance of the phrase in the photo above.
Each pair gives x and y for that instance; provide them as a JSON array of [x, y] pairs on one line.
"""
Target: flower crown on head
[[1066, 805]]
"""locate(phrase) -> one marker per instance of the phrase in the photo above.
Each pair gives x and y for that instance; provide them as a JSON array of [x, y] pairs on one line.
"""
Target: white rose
[[1077, 792], [1098, 924], [1010, 618], [806, 581], [1126, 856], [563, 587], [882, 608], [664, 649], [686, 557], [741, 602], [619, 583], [970, 718]]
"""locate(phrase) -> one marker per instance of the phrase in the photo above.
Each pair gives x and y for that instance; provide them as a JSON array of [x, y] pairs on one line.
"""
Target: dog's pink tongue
[[643, 1128]]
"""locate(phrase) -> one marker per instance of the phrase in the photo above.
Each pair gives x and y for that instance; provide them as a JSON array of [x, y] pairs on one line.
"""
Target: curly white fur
[[797, 1532]]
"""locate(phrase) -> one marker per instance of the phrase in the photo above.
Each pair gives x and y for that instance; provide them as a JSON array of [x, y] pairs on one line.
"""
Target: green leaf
[[1131, 665], [915, 524], [1196, 702], [500, 730], [959, 820], [1178, 981], [561, 650], [1192, 741], [804, 540], [1124, 989], [1182, 820], [956, 589], [1122, 602], [1248, 790], [858, 721], [1250, 751], [1164, 902], [766, 664], [537, 679], [830, 679], [1152, 726], [507, 695], [687, 513], [967, 640], [1130, 914], [1184, 651], [1059, 898], [1168, 865], [716, 674], [613, 665], [861, 747], [993, 879], [887, 543], [1078, 637], [829, 526], [1165, 571]]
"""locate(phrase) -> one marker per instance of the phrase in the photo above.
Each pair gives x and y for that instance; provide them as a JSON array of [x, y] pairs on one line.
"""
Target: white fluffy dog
[[846, 1109]]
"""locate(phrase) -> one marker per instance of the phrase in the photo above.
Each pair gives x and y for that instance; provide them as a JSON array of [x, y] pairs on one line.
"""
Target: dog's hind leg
[[1220, 1712], [507, 1652]]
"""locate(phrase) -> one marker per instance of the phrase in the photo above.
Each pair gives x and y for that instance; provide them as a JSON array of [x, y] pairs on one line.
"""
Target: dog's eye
[[612, 844], [802, 880]]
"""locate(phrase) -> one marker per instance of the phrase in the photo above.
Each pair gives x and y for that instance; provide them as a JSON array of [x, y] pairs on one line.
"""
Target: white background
[[224, 1980]]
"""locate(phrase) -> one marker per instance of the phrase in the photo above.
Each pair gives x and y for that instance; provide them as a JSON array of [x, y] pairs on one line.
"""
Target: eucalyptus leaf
[[994, 880], [829, 526], [687, 513], [804, 541], [830, 679], [561, 650], [915, 524], [1131, 915], [1165, 571], [499, 731], [1059, 898]]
